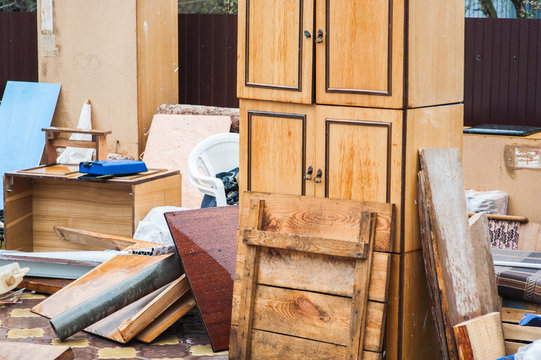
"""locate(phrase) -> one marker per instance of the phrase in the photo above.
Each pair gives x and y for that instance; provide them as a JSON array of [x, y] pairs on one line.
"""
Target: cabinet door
[[276, 145], [359, 47], [275, 50], [359, 152]]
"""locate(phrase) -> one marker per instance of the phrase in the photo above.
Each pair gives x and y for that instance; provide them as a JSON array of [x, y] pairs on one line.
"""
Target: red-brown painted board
[[206, 242]]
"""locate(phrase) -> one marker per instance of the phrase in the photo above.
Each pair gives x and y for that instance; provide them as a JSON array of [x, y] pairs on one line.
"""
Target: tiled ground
[[185, 340]]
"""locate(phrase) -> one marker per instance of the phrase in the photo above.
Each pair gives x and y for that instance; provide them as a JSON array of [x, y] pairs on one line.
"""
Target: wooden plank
[[75, 131], [43, 285], [173, 313], [361, 284], [480, 338], [157, 61], [430, 267], [511, 347], [125, 324], [248, 284], [94, 282], [205, 238], [483, 265], [312, 273], [304, 243], [303, 314], [11, 350], [73, 143], [514, 315], [93, 239], [342, 224], [521, 219], [522, 333], [18, 214]]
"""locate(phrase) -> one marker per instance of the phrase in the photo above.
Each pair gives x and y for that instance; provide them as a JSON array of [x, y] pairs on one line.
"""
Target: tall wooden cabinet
[[337, 96]]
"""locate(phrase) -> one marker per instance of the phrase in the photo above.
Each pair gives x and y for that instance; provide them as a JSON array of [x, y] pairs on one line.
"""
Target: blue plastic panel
[[26, 108], [112, 167]]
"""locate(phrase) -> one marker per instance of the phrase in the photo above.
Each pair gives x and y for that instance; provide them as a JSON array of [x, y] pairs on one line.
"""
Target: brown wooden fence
[[18, 47], [502, 82]]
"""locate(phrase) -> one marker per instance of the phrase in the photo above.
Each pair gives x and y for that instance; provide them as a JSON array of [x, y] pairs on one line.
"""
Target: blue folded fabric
[[531, 320], [506, 357]]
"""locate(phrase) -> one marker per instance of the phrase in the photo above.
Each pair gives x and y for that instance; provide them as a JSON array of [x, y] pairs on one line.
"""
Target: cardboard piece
[[172, 138], [26, 108]]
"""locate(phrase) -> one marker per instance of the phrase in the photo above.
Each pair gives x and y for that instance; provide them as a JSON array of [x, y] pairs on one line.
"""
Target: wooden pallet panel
[[299, 299]]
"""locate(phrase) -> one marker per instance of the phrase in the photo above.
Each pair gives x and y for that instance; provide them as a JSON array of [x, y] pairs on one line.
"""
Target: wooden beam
[[480, 338]]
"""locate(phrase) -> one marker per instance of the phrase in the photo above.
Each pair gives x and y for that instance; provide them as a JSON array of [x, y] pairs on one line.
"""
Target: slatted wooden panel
[[502, 83], [18, 48], [208, 59]]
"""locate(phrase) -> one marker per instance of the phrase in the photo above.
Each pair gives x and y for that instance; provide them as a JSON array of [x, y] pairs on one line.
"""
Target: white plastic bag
[[529, 352], [491, 202], [72, 155], [154, 228]]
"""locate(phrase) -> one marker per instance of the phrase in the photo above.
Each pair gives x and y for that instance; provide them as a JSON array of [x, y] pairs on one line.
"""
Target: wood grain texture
[[484, 264], [430, 267], [43, 285], [376, 40], [434, 127], [480, 338], [18, 214], [205, 239], [93, 240], [436, 53], [522, 333], [167, 318], [295, 309], [306, 244], [11, 350], [157, 60], [94, 282], [277, 53]]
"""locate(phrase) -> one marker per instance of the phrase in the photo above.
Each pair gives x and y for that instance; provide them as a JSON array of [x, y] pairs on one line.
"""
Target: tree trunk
[[488, 8], [520, 8]]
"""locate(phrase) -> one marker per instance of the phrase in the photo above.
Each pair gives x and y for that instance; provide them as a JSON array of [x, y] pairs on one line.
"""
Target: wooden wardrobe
[[336, 98]]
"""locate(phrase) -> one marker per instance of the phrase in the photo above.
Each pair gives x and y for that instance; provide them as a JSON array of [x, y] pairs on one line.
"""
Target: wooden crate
[[515, 335], [36, 200]]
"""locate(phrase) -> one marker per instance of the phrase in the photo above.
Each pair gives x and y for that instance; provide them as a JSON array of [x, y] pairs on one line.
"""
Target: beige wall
[[497, 163]]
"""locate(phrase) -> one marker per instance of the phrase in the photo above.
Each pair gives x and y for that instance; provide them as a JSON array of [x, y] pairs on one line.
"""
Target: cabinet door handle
[[319, 38], [308, 175], [319, 174]]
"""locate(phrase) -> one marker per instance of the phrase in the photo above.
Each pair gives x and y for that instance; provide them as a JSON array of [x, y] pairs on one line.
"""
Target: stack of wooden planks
[[311, 278], [458, 262]]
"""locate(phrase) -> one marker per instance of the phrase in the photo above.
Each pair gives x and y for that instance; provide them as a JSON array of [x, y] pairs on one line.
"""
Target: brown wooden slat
[[306, 244]]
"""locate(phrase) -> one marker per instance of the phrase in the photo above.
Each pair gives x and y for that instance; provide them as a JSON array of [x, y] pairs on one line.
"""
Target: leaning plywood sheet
[[172, 138], [126, 323], [205, 239], [106, 289], [458, 260], [26, 108], [11, 350], [303, 297]]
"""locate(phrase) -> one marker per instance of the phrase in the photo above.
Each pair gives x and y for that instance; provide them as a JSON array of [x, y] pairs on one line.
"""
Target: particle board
[[173, 137], [284, 214], [205, 238], [26, 108]]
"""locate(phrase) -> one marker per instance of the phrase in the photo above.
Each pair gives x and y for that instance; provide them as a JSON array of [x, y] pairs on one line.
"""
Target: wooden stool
[[52, 142]]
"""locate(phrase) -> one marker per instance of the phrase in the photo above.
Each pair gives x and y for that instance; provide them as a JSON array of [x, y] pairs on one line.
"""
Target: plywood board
[[26, 108], [11, 350], [461, 285], [205, 239], [172, 138]]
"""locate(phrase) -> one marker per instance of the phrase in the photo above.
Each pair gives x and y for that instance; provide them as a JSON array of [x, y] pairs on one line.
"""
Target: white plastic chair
[[215, 154]]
